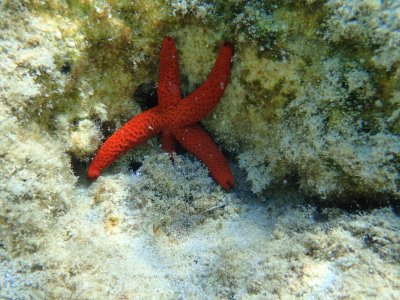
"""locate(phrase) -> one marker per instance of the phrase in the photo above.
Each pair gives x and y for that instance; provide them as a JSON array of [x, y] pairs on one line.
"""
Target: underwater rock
[[310, 120]]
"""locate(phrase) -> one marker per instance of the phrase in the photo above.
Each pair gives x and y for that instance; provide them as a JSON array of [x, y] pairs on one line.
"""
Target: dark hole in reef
[[320, 215], [188, 199], [134, 165], [179, 150], [79, 168], [66, 68], [146, 95], [72, 272], [396, 207], [368, 241], [107, 128], [355, 204], [37, 267]]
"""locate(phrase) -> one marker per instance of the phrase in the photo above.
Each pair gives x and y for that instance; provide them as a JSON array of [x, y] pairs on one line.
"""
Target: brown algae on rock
[[310, 119]]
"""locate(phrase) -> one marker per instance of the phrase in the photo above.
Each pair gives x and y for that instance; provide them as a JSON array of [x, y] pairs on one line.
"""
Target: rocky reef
[[310, 122]]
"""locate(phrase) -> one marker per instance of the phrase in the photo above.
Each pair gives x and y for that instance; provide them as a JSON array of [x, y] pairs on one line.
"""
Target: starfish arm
[[136, 131], [168, 91], [197, 105], [195, 140], [175, 118]]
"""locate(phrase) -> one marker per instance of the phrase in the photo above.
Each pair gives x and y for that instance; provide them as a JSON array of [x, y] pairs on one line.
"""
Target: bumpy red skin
[[175, 118]]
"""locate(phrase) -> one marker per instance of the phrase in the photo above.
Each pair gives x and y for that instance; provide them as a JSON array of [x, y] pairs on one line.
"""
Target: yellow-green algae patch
[[313, 103], [302, 92]]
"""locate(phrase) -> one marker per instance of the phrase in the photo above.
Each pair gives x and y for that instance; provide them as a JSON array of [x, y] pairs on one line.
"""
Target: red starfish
[[175, 118]]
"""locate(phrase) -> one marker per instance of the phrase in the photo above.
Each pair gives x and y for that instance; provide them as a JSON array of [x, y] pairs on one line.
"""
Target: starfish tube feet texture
[[133, 133], [168, 90], [198, 104], [175, 118], [196, 141]]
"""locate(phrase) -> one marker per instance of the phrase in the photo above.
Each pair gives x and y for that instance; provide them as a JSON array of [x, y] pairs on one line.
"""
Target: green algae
[[298, 83]]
